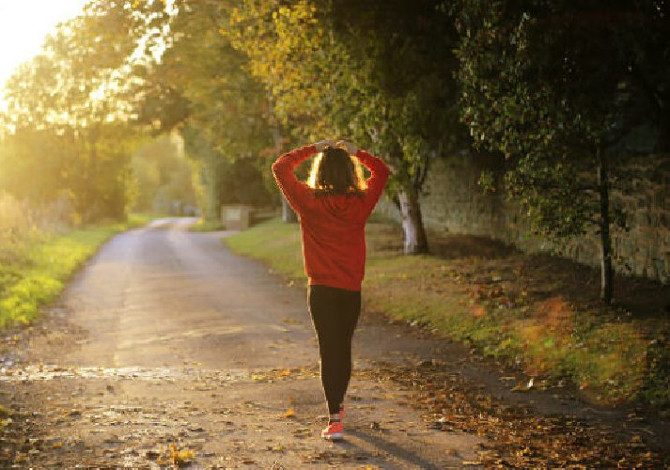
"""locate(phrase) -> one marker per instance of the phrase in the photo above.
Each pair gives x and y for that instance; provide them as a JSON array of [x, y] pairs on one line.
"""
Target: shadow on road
[[391, 449]]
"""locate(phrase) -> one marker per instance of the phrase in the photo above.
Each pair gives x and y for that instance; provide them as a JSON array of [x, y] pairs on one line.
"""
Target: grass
[[38, 276], [526, 311]]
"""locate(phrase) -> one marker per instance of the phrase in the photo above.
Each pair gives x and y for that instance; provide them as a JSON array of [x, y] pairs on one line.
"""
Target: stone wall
[[453, 202]]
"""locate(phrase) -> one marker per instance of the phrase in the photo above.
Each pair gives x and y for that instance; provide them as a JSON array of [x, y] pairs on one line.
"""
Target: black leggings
[[334, 314]]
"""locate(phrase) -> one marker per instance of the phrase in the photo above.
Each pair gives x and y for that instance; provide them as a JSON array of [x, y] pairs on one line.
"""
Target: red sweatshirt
[[333, 226]]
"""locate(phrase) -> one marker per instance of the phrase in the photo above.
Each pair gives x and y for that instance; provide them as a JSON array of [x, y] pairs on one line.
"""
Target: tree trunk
[[213, 205], [212, 177], [412, 222], [287, 213], [605, 241]]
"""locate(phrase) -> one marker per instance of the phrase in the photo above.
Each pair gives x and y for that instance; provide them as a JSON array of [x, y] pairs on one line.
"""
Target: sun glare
[[23, 26]]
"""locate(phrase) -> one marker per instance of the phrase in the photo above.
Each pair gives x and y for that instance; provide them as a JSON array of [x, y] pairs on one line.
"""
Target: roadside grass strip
[[610, 359], [47, 262], [203, 225]]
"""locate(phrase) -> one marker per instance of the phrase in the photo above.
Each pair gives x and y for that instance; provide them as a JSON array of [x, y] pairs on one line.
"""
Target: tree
[[279, 40], [23, 151], [202, 88], [161, 174], [73, 94], [404, 95], [381, 76], [557, 87]]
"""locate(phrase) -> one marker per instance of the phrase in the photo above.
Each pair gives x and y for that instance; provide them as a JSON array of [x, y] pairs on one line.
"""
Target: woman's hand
[[322, 144], [348, 146]]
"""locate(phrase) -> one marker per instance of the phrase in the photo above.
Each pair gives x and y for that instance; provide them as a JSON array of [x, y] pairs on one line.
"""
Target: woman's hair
[[334, 171]]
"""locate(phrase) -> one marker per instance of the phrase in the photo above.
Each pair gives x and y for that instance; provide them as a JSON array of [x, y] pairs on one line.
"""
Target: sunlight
[[23, 27]]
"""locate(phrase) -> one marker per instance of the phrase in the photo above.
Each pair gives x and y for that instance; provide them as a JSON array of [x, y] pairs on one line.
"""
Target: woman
[[333, 208]]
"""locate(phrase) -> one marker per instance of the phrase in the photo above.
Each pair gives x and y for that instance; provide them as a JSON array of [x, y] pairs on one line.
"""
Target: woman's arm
[[283, 169], [379, 175]]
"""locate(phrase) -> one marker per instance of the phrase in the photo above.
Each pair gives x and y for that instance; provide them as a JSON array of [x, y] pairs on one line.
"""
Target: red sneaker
[[333, 432]]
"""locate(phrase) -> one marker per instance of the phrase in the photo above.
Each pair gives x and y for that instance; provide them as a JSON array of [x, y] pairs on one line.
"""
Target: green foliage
[[284, 44], [214, 102], [161, 174], [548, 83], [341, 69], [29, 282], [67, 111], [221, 180], [656, 390], [486, 181], [18, 228], [22, 300], [225, 104], [382, 77], [242, 183], [23, 152]]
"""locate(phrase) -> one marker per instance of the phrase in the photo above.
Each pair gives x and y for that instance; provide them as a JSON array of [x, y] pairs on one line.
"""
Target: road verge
[[38, 274]]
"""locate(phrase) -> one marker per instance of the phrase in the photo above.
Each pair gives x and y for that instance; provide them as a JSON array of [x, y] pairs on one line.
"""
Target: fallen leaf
[[180, 457]]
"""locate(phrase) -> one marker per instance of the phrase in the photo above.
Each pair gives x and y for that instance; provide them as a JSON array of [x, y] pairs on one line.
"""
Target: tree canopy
[[561, 89], [68, 113], [202, 86], [558, 88], [382, 77]]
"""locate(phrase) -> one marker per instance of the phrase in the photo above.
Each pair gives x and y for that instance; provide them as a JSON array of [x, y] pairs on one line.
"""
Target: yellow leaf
[[289, 413], [178, 457]]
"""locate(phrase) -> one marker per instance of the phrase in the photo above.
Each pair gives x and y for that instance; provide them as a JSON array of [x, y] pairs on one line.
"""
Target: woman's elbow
[[276, 167]]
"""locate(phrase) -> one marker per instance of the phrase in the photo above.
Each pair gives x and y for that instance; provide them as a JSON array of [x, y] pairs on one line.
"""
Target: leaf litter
[[518, 437]]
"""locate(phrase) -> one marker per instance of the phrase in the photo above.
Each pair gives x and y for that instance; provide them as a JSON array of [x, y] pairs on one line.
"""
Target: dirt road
[[166, 337], [166, 348]]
